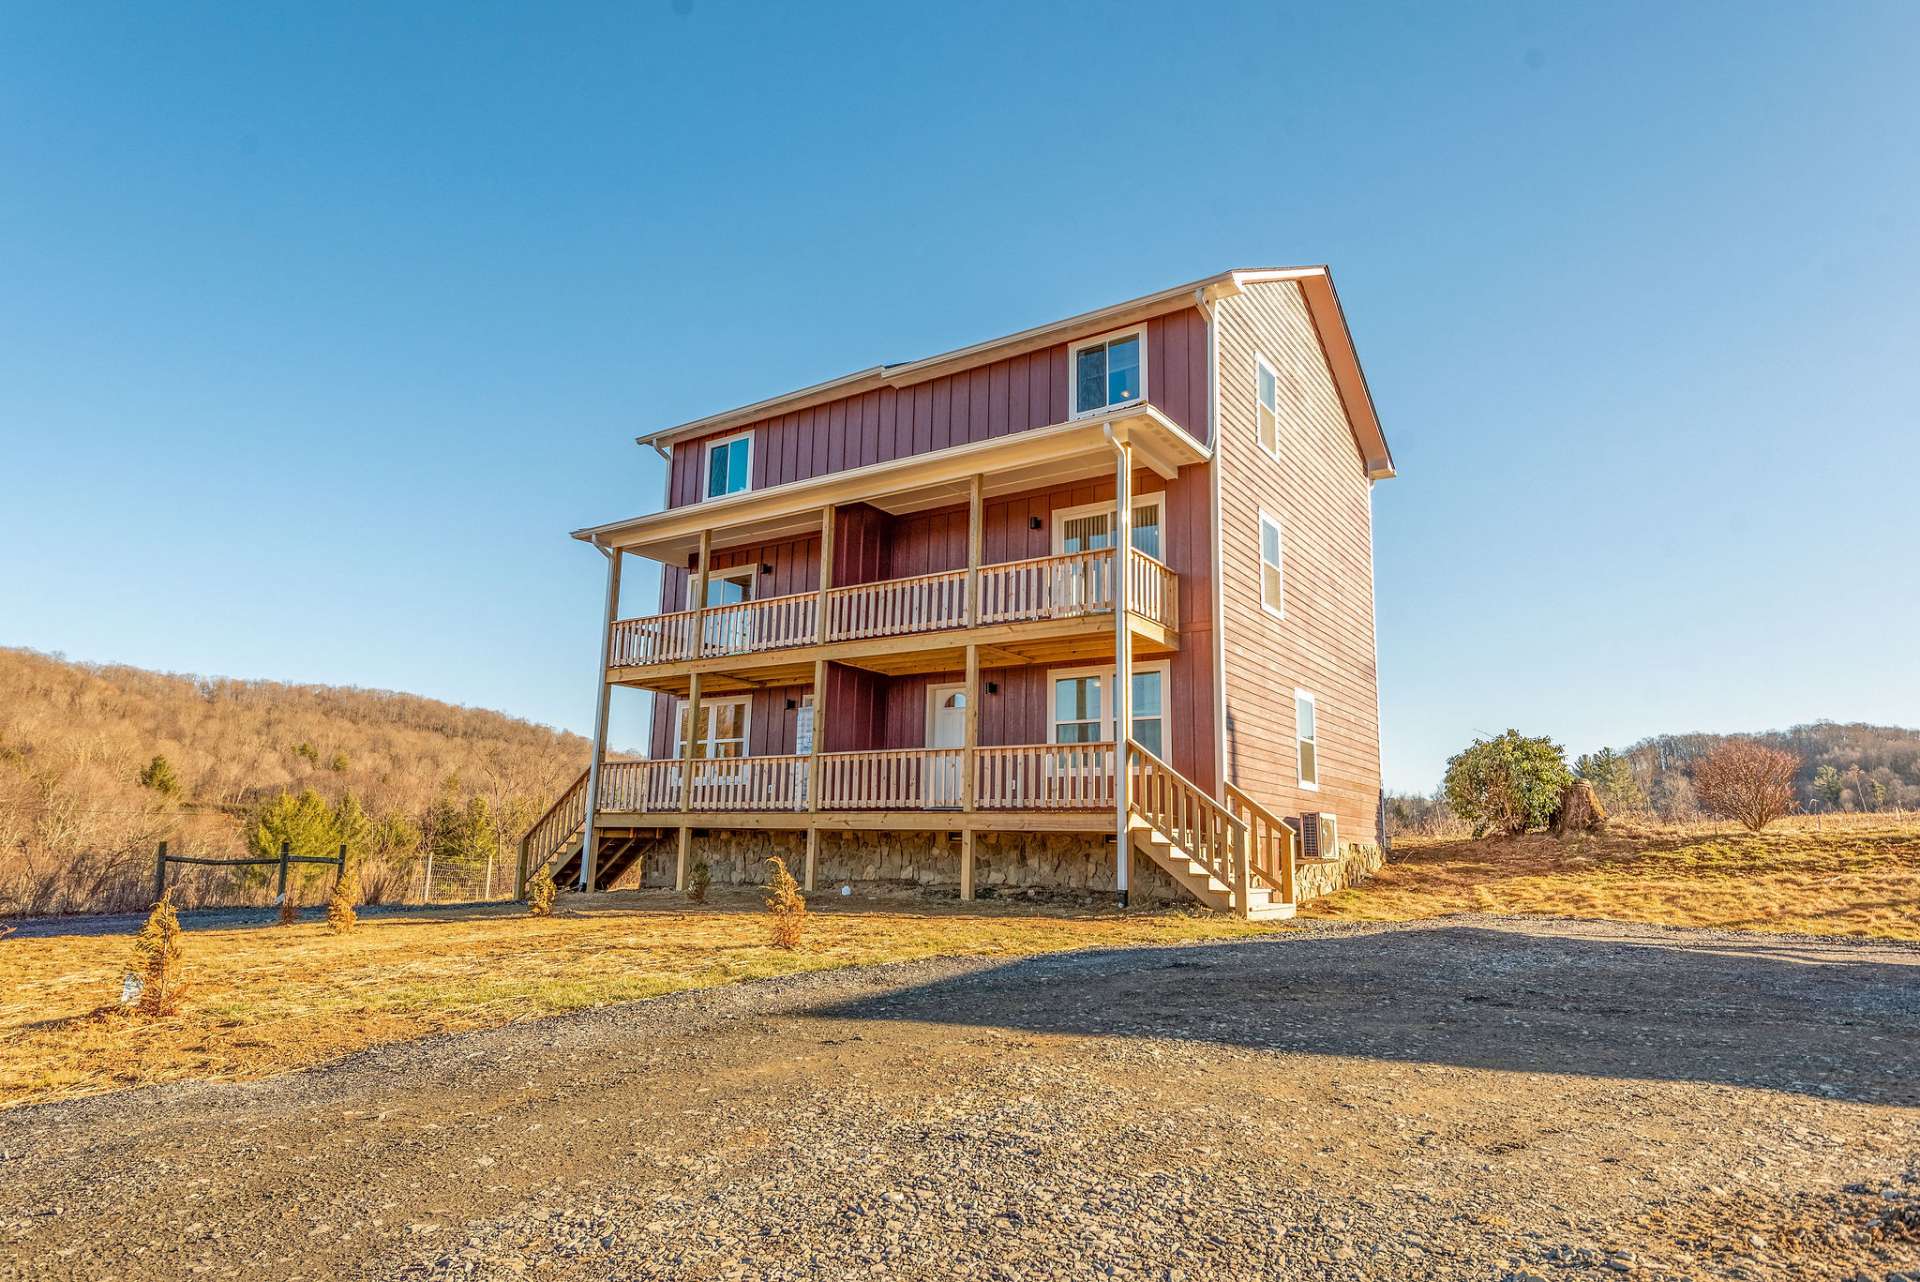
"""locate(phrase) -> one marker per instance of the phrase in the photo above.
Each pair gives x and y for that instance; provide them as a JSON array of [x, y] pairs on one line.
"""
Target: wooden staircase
[[558, 839], [1231, 863]]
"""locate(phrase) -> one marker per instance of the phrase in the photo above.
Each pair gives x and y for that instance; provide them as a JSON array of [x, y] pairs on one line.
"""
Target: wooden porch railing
[[891, 607], [771, 623], [1044, 776], [903, 779], [640, 785], [1200, 826], [1046, 587], [749, 783], [1273, 844]]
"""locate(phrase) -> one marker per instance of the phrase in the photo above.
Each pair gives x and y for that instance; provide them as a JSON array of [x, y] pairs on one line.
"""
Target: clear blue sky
[[321, 326]]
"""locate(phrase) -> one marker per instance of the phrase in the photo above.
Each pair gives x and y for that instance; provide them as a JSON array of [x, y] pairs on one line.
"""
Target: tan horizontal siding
[[1325, 644]]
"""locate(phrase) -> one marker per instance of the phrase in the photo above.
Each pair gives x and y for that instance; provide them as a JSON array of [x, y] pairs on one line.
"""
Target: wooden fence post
[[340, 864], [160, 872], [286, 848]]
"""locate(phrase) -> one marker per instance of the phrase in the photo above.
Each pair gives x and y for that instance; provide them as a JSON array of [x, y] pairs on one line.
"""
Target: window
[[1108, 371], [1272, 585], [729, 465], [1306, 739], [1267, 413], [1082, 709], [723, 728], [1090, 528]]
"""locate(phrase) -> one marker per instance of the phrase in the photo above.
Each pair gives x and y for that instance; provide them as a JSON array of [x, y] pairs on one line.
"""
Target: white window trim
[[1099, 340], [706, 714], [1163, 667], [1156, 500], [1312, 700], [1279, 610], [1261, 362], [706, 464]]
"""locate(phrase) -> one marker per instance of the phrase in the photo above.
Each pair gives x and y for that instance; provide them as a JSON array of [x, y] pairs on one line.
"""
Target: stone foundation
[[1313, 878], [1071, 866]]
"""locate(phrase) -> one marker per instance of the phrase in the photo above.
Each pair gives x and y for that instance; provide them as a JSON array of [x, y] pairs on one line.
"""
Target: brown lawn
[[264, 999], [1826, 875]]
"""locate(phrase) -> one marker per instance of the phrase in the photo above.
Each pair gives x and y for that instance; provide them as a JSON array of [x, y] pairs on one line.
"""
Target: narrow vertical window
[[729, 465], [1149, 711], [1306, 736], [1272, 582], [1108, 372], [1267, 413]]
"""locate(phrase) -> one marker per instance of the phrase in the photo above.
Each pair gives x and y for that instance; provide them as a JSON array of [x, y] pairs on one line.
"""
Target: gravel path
[[1475, 1099]]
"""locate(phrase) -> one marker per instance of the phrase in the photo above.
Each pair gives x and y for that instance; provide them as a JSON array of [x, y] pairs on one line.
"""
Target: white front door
[[946, 728]]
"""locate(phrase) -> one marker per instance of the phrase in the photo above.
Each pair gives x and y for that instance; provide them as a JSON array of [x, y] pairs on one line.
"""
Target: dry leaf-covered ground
[[1856, 875], [263, 998]]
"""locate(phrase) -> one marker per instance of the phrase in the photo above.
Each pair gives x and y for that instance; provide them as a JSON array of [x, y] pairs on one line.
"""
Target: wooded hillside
[[98, 763]]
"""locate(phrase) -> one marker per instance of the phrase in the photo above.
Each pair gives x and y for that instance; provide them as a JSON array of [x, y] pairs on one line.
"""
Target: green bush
[[1507, 784]]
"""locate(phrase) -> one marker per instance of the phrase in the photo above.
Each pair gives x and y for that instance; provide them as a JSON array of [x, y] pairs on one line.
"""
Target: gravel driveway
[[1480, 1098]]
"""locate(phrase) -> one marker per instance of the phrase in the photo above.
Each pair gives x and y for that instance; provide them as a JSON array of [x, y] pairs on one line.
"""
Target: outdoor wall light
[[1034, 523], [993, 687], [792, 704], [765, 568]]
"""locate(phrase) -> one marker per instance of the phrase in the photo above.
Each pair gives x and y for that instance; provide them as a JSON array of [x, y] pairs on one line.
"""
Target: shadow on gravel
[[1776, 1018]]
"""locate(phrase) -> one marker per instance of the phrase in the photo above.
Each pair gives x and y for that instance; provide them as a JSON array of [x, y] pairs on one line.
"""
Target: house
[[894, 639]]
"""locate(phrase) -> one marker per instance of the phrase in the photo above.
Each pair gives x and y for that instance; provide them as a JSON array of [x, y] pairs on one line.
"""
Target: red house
[[898, 641]]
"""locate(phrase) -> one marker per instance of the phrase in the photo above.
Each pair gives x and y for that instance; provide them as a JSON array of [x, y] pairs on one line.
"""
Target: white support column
[[603, 691], [1122, 663]]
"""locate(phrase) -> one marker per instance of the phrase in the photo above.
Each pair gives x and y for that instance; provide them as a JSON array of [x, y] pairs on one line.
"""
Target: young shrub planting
[[290, 905], [541, 892], [786, 904], [698, 882], [1507, 784], [1746, 781], [340, 915], [155, 964]]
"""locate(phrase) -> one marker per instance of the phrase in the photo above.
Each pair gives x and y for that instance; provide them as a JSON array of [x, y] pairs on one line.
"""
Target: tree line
[[99, 763]]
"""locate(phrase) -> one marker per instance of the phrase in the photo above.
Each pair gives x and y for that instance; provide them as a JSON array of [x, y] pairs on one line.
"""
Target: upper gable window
[[1267, 412], [729, 465], [1108, 371]]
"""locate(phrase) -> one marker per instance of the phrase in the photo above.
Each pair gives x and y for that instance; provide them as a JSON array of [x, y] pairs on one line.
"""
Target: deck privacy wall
[[1006, 396]]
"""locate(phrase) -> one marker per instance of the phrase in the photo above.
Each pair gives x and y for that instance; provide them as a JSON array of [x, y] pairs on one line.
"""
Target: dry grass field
[[263, 999], [1856, 875]]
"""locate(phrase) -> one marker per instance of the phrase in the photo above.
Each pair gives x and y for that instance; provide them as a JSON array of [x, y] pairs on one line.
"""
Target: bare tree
[[1746, 781]]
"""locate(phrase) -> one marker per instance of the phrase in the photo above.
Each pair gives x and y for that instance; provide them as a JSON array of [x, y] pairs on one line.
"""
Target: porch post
[[826, 583], [969, 757], [813, 856], [603, 691], [697, 602], [1122, 664], [689, 739], [976, 520], [814, 764]]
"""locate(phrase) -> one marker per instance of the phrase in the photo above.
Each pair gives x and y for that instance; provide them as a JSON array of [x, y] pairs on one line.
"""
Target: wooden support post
[[681, 866], [1122, 664], [286, 848], [969, 759], [976, 519], [159, 872], [603, 693], [966, 863], [813, 856], [814, 763], [689, 740], [826, 579]]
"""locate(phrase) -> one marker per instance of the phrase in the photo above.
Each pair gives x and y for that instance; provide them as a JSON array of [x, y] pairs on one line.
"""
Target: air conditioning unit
[[1320, 835]]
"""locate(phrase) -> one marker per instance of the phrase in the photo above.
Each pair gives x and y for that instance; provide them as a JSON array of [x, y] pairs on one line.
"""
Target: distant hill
[[81, 803], [1844, 767]]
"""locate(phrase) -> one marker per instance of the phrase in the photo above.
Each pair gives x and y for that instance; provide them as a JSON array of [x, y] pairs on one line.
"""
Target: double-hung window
[[729, 465], [723, 729], [1306, 738], [1272, 582], [1267, 411], [1083, 707], [1108, 371]]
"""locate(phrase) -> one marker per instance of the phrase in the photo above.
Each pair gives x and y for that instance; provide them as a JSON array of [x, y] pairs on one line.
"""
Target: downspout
[[1122, 661], [1210, 308]]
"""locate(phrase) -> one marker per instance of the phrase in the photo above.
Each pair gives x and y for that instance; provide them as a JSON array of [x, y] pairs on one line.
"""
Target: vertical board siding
[[1325, 644], [1016, 394]]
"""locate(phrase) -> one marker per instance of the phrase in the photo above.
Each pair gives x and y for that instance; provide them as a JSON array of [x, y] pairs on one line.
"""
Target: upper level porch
[[1007, 544]]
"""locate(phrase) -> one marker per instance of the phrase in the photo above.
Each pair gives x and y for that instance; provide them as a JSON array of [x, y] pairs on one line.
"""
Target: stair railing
[[1273, 843], [1206, 831], [552, 832]]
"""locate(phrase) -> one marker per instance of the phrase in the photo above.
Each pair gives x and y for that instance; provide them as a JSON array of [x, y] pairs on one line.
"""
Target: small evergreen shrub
[[289, 904], [786, 905], [155, 964], [698, 881], [1507, 784], [541, 892], [340, 915]]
